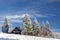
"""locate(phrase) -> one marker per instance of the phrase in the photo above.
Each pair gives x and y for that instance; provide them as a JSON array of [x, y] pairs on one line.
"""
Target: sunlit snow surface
[[4, 36]]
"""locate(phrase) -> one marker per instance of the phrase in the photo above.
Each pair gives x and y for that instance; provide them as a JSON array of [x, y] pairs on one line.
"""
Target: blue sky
[[43, 10]]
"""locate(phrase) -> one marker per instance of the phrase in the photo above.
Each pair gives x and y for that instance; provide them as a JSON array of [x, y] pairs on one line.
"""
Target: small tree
[[5, 27], [27, 26], [43, 30], [36, 28], [48, 30]]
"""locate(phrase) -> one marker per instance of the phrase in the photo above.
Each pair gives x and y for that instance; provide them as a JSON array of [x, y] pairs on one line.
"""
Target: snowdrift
[[4, 36]]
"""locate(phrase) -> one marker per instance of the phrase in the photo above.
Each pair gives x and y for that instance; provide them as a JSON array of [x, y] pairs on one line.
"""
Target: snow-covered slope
[[4, 36]]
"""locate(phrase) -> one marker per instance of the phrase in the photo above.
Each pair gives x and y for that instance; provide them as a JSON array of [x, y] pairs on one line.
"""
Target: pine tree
[[27, 26], [43, 30], [48, 30], [47, 26], [36, 28], [24, 28], [5, 26]]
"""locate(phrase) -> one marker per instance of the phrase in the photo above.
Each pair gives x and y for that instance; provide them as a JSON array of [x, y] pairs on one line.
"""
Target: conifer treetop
[[26, 15], [35, 20], [43, 24], [5, 22], [47, 22]]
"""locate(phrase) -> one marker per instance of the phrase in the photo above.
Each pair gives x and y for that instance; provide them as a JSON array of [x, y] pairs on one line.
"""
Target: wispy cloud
[[15, 16], [39, 15], [15, 21], [10, 24], [18, 18]]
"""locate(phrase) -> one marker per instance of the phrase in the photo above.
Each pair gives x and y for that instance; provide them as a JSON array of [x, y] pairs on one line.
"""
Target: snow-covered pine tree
[[47, 26], [24, 28], [43, 30], [48, 30], [27, 26], [36, 28], [5, 26]]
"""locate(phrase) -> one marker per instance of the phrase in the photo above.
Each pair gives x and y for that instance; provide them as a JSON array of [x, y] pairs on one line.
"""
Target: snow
[[4, 36]]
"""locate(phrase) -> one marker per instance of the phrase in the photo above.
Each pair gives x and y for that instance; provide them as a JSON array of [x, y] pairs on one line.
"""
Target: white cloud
[[39, 15], [16, 20], [10, 24], [15, 16]]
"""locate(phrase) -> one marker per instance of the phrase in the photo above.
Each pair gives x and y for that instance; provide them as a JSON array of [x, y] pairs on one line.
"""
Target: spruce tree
[[27, 26], [43, 30], [5, 27], [48, 30], [36, 28]]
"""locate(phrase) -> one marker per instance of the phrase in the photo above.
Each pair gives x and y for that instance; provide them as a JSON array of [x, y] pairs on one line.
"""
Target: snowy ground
[[4, 36]]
